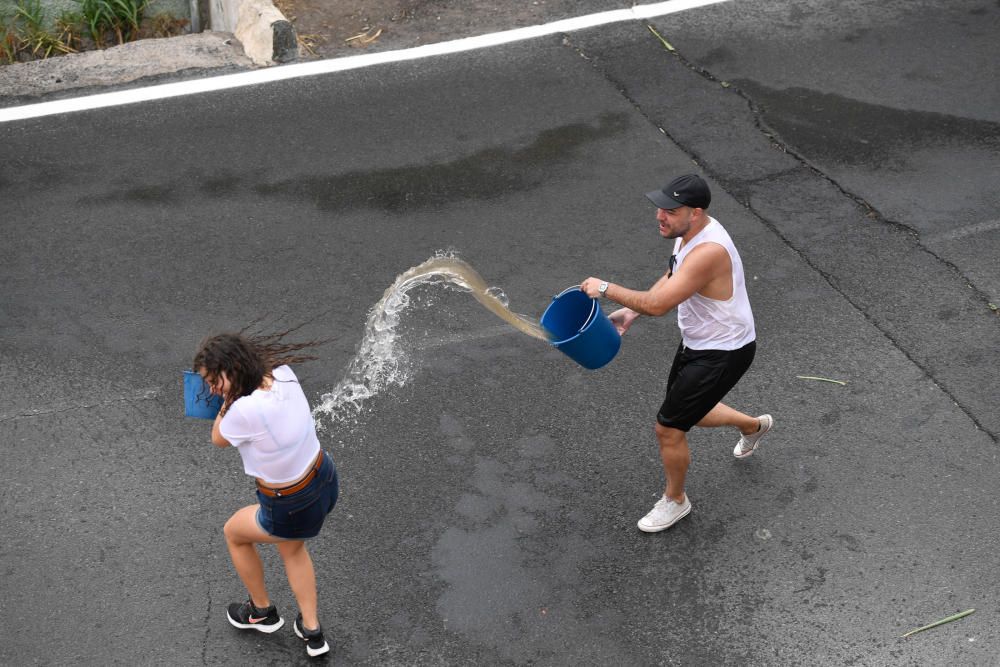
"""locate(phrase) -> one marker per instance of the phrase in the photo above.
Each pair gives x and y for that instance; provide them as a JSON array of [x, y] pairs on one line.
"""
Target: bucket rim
[[586, 323]]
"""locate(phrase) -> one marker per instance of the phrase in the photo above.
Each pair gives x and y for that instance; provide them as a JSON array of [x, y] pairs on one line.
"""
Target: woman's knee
[[230, 532], [240, 526], [291, 548]]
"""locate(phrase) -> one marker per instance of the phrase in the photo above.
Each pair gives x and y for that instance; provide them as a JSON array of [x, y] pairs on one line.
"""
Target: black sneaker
[[315, 643], [245, 616]]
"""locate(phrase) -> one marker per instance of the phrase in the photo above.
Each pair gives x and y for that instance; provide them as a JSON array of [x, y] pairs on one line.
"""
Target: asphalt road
[[489, 504]]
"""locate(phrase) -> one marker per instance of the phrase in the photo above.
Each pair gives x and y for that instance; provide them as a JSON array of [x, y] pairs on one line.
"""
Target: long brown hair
[[247, 359]]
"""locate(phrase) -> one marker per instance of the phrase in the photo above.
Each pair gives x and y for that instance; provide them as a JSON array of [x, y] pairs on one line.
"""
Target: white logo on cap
[[676, 195]]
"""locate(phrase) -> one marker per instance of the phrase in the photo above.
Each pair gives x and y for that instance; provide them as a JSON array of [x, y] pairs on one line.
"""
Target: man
[[704, 282]]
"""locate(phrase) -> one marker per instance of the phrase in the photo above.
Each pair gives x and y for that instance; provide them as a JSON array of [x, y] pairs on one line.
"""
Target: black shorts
[[698, 380]]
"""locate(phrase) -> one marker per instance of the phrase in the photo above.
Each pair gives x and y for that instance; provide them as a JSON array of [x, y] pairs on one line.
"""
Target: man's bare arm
[[702, 265]]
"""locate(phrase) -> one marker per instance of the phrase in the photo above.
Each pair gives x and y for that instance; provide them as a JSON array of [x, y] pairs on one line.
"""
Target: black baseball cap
[[687, 190]]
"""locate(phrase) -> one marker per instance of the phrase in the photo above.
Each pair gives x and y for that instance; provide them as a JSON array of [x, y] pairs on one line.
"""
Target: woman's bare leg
[[242, 536], [301, 579]]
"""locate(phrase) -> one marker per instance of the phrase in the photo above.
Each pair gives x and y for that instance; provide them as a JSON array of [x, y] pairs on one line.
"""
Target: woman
[[266, 416]]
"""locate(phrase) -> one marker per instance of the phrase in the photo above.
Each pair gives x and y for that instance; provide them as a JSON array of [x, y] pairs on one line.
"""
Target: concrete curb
[[130, 64]]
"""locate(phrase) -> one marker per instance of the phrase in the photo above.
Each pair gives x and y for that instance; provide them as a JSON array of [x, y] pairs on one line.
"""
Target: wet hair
[[246, 359]]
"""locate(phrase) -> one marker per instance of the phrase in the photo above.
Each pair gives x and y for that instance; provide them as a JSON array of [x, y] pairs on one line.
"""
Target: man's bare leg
[[676, 458], [723, 415]]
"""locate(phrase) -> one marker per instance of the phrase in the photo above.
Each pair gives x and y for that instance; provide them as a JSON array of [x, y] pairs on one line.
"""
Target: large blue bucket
[[199, 401], [580, 329]]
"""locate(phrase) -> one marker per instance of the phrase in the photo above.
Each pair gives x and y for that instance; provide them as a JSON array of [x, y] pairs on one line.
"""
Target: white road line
[[962, 232], [294, 71]]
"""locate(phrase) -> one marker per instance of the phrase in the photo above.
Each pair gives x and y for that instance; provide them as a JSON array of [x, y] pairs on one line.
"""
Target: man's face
[[675, 222]]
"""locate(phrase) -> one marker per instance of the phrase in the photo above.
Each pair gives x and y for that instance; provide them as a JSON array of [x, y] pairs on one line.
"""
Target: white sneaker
[[748, 443], [664, 514]]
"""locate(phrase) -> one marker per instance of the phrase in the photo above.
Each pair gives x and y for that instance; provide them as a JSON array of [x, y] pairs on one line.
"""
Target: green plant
[[120, 17], [33, 37], [30, 13], [68, 28], [128, 16], [94, 20]]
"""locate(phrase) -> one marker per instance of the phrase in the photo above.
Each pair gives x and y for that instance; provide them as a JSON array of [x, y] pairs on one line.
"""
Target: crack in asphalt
[[831, 281], [208, 625], [870, 211], [147, 395]]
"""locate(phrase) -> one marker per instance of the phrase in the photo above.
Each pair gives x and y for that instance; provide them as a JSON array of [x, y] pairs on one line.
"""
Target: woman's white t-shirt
[[273, 430]]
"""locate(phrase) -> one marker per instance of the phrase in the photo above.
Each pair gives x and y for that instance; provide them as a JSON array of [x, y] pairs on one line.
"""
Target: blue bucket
[[580, 329], [199, 401]]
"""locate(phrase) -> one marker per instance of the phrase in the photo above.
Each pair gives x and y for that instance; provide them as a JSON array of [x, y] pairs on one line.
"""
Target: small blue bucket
[[199, 401], [580, 329]]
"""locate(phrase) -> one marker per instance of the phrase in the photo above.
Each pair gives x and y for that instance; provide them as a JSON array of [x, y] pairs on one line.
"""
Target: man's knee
[[669, 436]]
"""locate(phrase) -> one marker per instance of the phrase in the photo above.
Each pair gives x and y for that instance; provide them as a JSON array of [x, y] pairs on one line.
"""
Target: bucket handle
[[593, 303]]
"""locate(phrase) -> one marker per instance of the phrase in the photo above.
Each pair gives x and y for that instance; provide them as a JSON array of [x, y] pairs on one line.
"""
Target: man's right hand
[[623, 319]]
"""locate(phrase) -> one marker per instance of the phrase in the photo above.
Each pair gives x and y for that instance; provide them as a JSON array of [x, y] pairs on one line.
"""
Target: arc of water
[[376, 364]]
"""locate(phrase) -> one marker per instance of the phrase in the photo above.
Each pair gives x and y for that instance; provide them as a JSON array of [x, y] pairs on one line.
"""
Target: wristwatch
[[603, 288]]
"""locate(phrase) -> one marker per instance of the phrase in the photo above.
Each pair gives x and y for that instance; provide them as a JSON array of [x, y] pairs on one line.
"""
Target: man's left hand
[[590, 286]]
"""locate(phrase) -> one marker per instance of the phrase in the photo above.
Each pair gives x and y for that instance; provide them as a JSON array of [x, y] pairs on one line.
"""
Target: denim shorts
[[301, 515]]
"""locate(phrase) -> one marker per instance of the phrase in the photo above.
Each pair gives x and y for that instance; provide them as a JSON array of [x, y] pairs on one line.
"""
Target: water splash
[[378, 363]]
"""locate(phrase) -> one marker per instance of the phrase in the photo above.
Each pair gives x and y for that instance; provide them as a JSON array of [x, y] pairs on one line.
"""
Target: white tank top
[[711, 324], [273, 430]]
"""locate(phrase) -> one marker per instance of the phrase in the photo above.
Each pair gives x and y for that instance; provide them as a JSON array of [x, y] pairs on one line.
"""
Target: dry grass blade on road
[[819, 379], [949, 619]]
